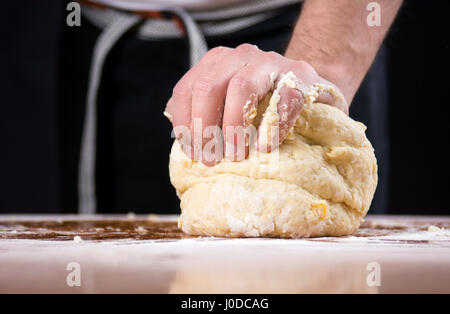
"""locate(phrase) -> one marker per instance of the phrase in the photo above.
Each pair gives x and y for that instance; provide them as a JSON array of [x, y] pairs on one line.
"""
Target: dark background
[[418, 56], [419, 71]]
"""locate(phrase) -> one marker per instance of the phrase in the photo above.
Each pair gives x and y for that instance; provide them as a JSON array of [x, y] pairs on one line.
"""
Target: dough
[[319, 182]]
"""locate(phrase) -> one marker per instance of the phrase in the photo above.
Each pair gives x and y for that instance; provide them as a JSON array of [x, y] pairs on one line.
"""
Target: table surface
[[149, 254]]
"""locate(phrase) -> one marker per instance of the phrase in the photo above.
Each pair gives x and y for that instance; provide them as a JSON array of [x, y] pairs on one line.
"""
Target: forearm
[[335, 38]]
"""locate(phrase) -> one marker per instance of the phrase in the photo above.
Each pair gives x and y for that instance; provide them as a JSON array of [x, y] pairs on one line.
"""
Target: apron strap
[[86, 171]]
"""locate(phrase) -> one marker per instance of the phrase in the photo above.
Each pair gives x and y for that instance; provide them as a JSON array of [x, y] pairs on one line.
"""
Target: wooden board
[[149, 254]]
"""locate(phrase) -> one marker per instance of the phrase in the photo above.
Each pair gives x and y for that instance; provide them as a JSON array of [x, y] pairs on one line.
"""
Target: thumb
[[329, 94]]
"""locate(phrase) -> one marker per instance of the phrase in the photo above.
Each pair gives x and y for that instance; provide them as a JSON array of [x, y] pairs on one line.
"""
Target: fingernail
[[168, 116]]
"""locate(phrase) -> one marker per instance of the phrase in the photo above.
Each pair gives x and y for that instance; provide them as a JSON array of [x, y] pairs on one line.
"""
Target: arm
[[332, 44], [334, 37]]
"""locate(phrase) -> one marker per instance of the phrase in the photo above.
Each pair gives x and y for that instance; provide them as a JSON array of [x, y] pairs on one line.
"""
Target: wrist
[[341, 69]]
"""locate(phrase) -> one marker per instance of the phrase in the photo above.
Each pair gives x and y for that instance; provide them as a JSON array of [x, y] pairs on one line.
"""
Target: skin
[[331, 44]]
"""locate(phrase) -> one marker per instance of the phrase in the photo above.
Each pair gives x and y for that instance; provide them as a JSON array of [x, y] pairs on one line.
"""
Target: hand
[[223, 86]]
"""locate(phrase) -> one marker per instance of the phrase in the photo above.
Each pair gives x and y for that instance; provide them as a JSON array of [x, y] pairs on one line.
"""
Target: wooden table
[[148, 254]]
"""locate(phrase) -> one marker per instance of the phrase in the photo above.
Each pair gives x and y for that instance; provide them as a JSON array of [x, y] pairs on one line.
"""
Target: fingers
[[240, 93], [244, 92], [179, 107], [284, 109], [207, 105], [331, 95], [289, 107], [307, 77], [291, 100], [208, 100]]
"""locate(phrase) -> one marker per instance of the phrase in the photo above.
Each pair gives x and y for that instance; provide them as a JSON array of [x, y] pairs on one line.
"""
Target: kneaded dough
[[319, 182]]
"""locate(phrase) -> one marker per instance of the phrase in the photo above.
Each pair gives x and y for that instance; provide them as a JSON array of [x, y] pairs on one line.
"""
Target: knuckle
[[241, 83], [303, 66], [182, 89], [204, 86], [272, 55], [246, 48], [215, 53]]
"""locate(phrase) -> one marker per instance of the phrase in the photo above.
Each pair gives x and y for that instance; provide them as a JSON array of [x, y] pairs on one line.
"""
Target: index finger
[[179, 106]]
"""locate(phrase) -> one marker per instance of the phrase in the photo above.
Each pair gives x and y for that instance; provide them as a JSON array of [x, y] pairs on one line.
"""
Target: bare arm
[[335, 38]]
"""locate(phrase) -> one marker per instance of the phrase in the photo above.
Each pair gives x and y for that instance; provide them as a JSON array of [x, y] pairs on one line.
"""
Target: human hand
[[224, 87]]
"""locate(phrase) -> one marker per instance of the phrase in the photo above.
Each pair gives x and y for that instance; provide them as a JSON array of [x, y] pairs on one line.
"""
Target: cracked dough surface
[[320, 182]]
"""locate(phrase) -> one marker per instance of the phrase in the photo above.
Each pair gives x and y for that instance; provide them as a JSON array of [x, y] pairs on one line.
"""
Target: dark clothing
[[29, 54]]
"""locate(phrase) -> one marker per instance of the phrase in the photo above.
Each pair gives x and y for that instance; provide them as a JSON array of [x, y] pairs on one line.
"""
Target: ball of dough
[[319, 182]]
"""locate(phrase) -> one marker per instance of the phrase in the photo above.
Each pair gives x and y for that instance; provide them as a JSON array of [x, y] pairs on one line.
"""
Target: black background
[[418, 45], [419, 49]]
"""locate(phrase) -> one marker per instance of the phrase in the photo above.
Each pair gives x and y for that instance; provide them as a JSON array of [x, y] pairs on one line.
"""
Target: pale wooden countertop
[[120, 254]]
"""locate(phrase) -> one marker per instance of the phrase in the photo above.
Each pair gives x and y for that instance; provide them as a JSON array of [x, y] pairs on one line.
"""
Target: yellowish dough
[[320, 182]]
